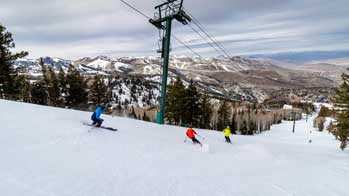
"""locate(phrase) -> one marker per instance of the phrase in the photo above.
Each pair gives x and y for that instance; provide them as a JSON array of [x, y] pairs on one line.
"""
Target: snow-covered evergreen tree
[[342, 101]]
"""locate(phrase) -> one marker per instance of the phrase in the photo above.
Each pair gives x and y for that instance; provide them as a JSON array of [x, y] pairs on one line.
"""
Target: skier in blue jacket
[[96, 116]]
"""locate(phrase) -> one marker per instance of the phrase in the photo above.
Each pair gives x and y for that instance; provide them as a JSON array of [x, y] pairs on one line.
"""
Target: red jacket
[[191, 133]]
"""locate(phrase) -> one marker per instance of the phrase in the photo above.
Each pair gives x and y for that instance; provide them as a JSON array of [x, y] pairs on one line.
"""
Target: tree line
[[186, 106], [68, 88]]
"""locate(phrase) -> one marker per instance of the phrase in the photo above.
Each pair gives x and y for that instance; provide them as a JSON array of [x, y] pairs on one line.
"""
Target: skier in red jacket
[[191, 134]]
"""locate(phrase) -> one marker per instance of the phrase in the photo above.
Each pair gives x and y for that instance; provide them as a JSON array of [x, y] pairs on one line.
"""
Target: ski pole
[[201, 137]]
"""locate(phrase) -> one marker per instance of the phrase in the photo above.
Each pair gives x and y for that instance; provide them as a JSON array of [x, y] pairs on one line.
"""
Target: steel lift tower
[[166, 12]]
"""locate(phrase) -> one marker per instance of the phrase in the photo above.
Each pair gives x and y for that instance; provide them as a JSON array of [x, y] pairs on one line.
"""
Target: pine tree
[[98, 91], [126, 102], [38, 93], [321, 125], [62, 85], [26, 95], [341, 100], [44, 71], [10, 87], [324, 112], [175, 111], [223, 116], [191, 105], [19, 84], [330, 127], [53, 88], [51, 84], [45, 81], [76, 88], [61, 78], [109, 95], [205, 111]]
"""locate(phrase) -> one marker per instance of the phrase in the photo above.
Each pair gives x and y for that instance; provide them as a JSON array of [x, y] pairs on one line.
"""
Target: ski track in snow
[[48, 152]]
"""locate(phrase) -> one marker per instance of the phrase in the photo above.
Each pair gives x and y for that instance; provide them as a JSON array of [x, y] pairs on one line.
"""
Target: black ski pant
[[227, 139], [97, 122], [195, 141]]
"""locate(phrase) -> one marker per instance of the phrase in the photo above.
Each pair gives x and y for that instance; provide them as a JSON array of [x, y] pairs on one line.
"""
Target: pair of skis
[[101, 127], [185, 140], [204, 147]]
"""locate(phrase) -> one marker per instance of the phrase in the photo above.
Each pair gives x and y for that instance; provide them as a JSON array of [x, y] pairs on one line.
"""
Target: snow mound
[[48, 151], [100, 64], [118, 66]]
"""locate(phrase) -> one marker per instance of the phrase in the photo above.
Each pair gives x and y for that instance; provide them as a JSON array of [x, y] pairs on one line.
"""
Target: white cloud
[[72, 29]]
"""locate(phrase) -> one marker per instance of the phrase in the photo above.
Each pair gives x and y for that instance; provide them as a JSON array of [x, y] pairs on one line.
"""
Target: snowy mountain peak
[[99, 63], [236, 77], [105, 58]]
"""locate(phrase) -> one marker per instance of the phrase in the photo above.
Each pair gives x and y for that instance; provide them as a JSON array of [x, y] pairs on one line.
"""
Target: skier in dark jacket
[[96, 116]]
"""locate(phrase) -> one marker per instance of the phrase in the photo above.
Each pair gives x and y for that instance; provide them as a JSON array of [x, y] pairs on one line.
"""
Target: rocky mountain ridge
[[236, 78]]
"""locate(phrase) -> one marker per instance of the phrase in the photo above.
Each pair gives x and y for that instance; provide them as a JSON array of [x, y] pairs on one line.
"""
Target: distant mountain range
[[331, 69], [303, 57], [236, 77]]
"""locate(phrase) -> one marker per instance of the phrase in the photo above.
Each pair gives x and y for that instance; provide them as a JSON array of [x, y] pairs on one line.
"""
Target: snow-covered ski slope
[[48, 152]]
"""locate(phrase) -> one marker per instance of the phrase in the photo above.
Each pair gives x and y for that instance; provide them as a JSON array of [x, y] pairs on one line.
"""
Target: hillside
[[47, 151], [331, 69], [237, 77]]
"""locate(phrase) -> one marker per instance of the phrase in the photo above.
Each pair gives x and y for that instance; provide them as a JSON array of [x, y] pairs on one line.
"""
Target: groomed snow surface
[[48, 152]]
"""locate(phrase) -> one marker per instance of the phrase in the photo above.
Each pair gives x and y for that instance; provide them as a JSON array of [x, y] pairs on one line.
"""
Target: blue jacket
[[97, 113]]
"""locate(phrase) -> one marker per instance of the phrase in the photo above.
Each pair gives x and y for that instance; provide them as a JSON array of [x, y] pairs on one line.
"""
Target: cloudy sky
[[78, 28]]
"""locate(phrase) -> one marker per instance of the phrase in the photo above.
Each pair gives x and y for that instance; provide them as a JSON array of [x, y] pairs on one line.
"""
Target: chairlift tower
[[166, 12]]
